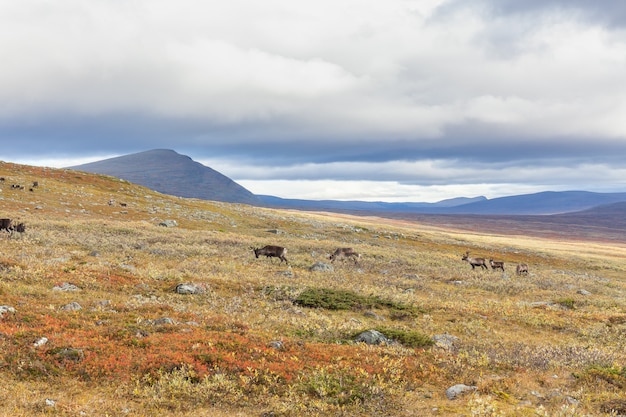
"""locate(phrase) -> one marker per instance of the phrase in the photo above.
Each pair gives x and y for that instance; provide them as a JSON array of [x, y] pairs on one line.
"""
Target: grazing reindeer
[[522, 269], [496, 264], [474, 262], [345, 253], [271, 251], [9, 226]]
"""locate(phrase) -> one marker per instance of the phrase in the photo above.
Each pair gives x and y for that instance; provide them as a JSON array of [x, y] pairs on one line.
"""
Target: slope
[[92, 322], [170, 173]]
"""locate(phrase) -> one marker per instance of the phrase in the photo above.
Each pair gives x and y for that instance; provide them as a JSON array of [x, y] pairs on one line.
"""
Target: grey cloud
[[474, 91], [607, 12]]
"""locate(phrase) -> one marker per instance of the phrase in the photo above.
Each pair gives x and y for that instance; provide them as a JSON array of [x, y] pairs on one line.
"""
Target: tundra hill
[[170, 173], [602, 223], [103, 311], [543, 203]]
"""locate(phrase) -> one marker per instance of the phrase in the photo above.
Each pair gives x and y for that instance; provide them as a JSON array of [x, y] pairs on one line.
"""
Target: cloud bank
[[344, 99]]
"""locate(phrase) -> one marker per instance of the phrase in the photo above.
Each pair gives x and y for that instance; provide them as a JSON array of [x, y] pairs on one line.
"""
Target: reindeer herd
[[482, 263], [272, 251]]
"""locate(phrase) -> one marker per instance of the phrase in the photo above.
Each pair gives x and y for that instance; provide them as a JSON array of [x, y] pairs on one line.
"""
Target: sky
[[391, 100]]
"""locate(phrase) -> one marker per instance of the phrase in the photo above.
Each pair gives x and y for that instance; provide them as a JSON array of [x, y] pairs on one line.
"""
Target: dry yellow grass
[[552, 343]]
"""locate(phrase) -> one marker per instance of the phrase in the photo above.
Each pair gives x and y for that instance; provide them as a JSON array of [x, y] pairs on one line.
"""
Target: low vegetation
[[92, 322]]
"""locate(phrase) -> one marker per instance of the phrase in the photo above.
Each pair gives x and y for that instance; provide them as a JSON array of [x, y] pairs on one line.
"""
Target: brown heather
[[532, 345]]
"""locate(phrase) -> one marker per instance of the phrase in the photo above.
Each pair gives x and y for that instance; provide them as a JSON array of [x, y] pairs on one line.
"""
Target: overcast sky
[[345, 99]]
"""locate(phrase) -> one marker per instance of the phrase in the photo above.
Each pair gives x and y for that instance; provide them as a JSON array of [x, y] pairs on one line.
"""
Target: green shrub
[[566, 302], [331, 299], [407, 338]]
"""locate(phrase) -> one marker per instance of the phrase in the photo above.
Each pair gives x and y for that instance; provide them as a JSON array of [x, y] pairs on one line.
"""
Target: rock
[[66, 286], [276, 344], [322, 267], [168, 223], [42, 341], [459, 389], [6, 309], [373, 315], [71, 354], [163, 321], [73, 306], [583, 292], [445, 341], [188, 288], [372, 337]]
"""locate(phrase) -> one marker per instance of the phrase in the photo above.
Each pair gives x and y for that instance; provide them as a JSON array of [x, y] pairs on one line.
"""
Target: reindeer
[[474, 262], [344, 253], [9, 226], [271, 251], [521, 269], [496, 265]]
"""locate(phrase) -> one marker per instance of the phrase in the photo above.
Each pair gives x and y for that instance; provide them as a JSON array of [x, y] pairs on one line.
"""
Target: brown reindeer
[[345, 253], [521, 269], [474, 262], [271, 251], [496, 265]]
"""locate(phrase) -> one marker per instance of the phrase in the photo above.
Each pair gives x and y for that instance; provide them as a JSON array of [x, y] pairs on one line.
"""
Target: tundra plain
[[91, 323]]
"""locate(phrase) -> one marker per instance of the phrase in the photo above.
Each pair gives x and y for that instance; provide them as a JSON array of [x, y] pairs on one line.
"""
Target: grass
[[532, 345]]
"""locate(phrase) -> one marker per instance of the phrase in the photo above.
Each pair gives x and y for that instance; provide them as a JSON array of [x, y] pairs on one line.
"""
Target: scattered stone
[[6, 309], [276, 344], [445, 341], [71, 354], [572, 400], [538, 304], [537, 394], [42, 341], [73, 306], [163, 321], [168, 223], [189, 288], [50, 403], [103, 303], [372, 315], [66, 286], [322, 267], [140, 334], [459, 389], [372, 337], [583, 292]]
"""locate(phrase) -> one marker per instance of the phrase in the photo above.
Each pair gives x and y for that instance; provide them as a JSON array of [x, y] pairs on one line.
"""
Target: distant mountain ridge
[[168, 172]]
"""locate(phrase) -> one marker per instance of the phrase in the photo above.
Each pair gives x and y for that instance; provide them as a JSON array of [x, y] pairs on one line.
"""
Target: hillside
[[548, 202], [119, 300], [170, 173]]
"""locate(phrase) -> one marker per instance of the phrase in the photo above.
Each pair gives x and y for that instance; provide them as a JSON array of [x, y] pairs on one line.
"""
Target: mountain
[[367, 206], [170, 173], [548, 202], [543, 203]]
